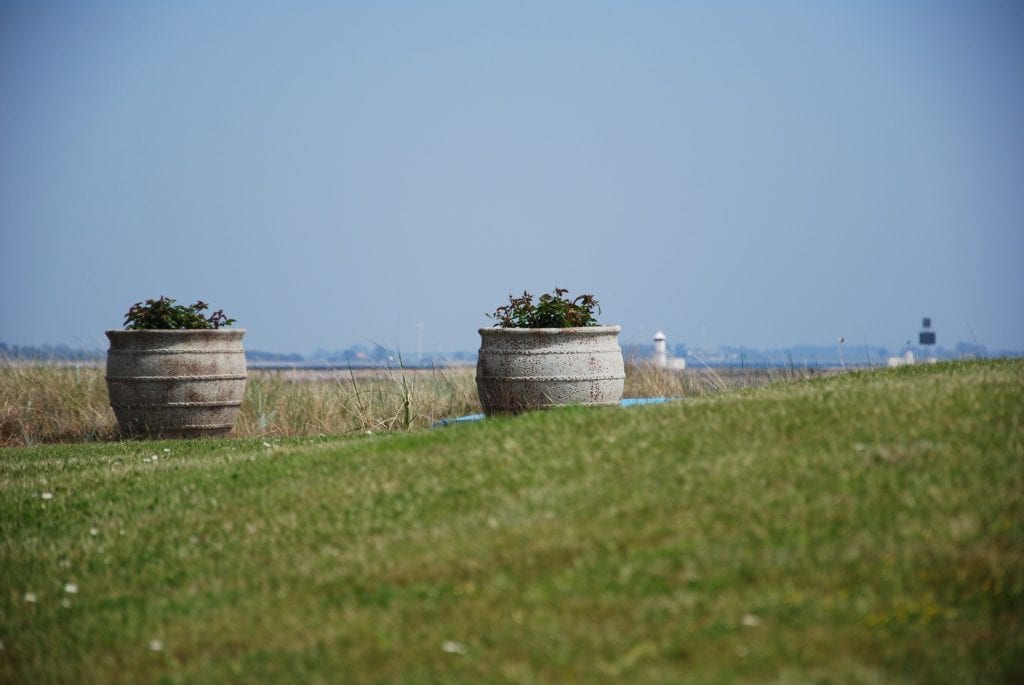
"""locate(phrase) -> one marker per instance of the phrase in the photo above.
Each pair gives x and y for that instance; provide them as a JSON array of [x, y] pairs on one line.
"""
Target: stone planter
[[531, 368], [183, 384]]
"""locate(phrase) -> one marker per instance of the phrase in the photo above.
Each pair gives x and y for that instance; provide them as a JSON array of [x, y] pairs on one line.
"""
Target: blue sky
[[330, 173]]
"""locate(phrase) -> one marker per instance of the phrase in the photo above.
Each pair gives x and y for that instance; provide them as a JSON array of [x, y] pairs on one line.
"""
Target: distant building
[[925, 339], [927, 336], [908, 359]]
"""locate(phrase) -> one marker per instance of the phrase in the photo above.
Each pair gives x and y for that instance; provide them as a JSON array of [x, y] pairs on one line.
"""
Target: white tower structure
[[660, 351], [662, 359]]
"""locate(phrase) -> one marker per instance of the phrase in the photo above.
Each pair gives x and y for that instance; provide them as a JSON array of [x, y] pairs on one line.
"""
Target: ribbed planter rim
[[550, 331], [174, 331]]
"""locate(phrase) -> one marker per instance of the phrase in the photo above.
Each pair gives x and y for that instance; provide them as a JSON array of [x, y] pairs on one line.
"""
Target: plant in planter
[[175, 372], [548, 354]]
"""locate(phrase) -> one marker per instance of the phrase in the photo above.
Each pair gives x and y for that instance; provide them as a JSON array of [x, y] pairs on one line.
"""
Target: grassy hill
[[863, 528]]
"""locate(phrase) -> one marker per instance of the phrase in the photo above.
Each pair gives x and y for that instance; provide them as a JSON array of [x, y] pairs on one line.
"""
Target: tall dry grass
[[647, 380], [345, 401], [50, 402]]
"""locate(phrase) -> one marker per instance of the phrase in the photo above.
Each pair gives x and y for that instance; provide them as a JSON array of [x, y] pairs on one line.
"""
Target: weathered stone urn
[[176, 383], [531, 368]]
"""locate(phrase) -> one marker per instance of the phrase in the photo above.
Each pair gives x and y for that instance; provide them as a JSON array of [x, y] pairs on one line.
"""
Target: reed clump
[[282, 403], [647, 380], [48, 402], [51, 402]]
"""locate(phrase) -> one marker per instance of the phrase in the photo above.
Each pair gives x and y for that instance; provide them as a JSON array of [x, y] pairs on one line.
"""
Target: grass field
[[861, 528]]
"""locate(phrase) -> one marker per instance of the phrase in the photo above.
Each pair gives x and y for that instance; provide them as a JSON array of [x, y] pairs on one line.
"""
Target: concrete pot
[[183, 384], [531, 368]]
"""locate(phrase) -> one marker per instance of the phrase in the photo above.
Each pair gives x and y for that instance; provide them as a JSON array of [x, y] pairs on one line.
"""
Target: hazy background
[[330, 173]]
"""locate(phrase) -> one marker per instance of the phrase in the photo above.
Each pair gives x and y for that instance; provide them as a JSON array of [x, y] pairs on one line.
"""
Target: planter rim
[[596, 330], [174, 331]]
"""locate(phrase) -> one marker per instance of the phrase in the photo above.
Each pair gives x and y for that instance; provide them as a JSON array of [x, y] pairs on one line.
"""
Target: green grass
[[863, 528]]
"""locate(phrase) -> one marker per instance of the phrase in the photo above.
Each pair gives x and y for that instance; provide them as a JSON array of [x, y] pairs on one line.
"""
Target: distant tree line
[[359, 355], [261, 356], [49, 352]]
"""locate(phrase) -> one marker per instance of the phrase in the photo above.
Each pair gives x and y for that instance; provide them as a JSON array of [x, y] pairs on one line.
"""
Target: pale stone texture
[[176, 383], [531, 368]]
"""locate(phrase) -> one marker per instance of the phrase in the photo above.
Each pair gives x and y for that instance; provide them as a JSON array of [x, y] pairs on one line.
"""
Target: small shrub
[[553, 310], [163, 314]]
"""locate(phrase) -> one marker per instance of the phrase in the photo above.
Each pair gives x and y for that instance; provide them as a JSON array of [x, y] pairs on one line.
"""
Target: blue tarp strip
[[631, 402]]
